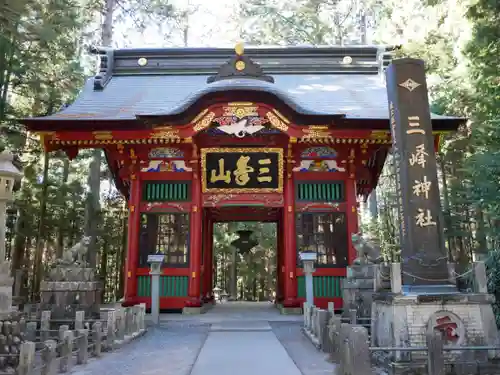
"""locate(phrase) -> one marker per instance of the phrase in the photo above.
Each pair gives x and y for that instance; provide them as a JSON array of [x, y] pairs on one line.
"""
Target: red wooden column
[[207, 263], [195, 237], [289, 253], [280, 267], [210, 257], [351, 214], [132, 240]]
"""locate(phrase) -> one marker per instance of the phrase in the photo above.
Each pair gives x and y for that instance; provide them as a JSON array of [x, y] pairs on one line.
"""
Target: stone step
[[240, 326]]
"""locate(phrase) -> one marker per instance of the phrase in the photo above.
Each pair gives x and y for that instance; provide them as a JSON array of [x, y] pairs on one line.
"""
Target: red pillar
[[207, 255], [280, 267], [195, 242], [351, 215], [132, 240], [210, 257], [290, 251]]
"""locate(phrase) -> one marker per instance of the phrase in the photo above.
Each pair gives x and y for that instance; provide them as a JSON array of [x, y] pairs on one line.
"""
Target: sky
[[211, 24]]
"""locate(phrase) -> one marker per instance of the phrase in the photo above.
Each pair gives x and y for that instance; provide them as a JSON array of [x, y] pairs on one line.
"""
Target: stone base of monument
[[358, 287], [404, 320], [64, 298]]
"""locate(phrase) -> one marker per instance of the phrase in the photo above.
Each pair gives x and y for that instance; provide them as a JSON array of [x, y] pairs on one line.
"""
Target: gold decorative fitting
[[283, 118], [102, 135], [347, 60], [276, 122], [167, 132], [353, 209], [142, 61], [205, 122], [199, 116], [290, 209], [293, 140], [195, 208], [379, 134], [240, 65], [132, 208], [193, 275], [240, 111], [239, 104], [239, 49]]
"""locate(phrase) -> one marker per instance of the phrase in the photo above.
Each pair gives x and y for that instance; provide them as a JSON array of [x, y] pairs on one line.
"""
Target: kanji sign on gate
[[242, 170]]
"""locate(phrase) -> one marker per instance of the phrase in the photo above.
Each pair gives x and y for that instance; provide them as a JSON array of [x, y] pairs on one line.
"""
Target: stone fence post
[[322, 327], [49, 356], [26, 358], [66, 360], [97, 338], [306, 314], [334, 333], [142, 320], [31, 328], [435, 355], [45, 326], [79, 319], [359, 351], [83, 346], [110, 329], [120, 323]]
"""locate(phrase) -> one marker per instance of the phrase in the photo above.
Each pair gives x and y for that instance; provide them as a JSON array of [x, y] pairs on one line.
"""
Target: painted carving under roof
[[165, 166], [319, 152], [165, 153]]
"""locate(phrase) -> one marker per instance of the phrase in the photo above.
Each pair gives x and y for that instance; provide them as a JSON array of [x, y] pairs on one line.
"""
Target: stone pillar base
[[465, 319]]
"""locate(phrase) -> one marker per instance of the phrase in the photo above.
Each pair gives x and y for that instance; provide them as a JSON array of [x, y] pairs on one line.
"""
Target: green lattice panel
[[324, 286], [165, 191], [170, 286], [320, 192]]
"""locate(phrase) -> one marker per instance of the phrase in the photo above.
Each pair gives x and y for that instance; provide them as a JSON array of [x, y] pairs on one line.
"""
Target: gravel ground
[[171, 349], [307, 358]]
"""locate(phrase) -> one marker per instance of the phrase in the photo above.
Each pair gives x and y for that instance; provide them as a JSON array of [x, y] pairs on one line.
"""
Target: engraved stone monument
[[71, 285], [423, 295]]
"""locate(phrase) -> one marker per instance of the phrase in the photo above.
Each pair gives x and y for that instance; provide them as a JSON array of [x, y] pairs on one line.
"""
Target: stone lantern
[[9, 174], [308, 259]]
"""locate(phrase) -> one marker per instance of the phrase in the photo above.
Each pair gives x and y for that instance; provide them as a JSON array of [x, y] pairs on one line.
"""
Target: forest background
[[44, 61]]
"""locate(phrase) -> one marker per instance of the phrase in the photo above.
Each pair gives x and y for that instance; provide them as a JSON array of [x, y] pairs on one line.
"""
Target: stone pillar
[[133, 239], [155, 295], [423, 252], [195, 235]]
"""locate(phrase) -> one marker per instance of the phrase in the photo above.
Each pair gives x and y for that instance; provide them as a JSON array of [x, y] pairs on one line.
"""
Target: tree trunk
[[94, 179], [104, 269], [62, 220], [39, 243]]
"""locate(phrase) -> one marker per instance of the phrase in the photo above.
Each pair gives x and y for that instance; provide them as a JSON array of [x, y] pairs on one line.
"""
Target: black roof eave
[[41, 124]]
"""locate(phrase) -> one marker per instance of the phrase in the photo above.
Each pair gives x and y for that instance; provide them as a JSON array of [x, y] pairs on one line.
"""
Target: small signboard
[[242, 170], [156, 258]]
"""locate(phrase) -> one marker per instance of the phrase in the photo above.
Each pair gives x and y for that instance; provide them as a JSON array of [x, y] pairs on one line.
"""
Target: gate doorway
[[243, 272]]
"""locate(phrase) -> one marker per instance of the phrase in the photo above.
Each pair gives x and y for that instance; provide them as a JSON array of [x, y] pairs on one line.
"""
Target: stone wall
[[12, 335], [410, 318]]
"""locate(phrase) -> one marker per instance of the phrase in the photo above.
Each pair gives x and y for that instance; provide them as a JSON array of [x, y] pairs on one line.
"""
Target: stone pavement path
[[232, 338]]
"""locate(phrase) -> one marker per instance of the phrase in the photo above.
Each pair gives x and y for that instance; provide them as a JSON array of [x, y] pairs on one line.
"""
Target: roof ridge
[[353, 59]]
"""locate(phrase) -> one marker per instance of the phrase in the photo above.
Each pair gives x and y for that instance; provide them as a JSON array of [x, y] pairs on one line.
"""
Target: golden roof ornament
[[240, 66], [239, 48]]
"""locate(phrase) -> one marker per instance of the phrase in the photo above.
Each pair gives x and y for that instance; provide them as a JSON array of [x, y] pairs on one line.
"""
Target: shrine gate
[[293, 135]]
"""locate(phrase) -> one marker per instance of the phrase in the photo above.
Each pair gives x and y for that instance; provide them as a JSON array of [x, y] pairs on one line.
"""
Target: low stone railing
[[49, 351]]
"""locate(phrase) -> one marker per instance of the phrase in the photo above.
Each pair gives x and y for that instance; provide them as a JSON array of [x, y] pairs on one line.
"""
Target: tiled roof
[[311, 80]]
